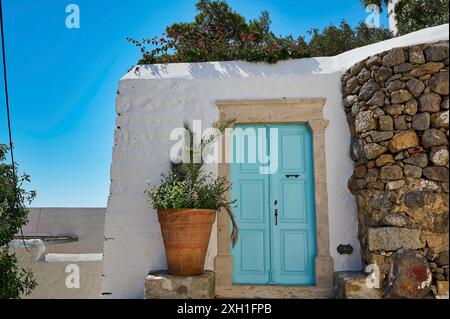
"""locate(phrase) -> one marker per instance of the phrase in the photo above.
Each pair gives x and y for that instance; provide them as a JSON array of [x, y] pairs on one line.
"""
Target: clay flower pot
[[186, 234]]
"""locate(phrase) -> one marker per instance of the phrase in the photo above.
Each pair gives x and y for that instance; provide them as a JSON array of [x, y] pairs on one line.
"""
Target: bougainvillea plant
[[219, 34]]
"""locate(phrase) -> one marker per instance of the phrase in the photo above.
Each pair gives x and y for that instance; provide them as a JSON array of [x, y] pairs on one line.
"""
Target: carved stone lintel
[[318, 124]]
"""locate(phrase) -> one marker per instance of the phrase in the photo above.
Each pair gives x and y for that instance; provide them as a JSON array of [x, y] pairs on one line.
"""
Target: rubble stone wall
[[397, 107]]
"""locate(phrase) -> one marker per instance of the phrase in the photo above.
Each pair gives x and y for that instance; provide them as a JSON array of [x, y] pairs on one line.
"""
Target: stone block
[[437, 52], [410, 276], [442, 289], [433, 137], [161, 285], [438, 242], [394, 57], [394, 238], [403, 140], [352, 285], [439, 83]]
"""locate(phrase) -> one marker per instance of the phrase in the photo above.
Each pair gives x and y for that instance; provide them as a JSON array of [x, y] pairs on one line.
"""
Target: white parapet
[[68, 258]]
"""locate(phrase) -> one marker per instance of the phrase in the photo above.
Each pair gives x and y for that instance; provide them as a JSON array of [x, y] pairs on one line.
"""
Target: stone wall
[[397, 107]]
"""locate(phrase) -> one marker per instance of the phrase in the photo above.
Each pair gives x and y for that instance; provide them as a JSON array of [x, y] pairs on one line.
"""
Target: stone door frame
[[278, 111]]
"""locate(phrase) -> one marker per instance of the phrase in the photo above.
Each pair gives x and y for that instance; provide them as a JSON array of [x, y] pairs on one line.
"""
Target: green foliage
[[220, 34], [334, 40], [174, 193], [14, 281], [13, 215], [413, 15], [186, 185], [171, 194]]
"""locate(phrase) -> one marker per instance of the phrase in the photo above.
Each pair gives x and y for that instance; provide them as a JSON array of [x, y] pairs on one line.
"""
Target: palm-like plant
[[193, 166], [192, 172]]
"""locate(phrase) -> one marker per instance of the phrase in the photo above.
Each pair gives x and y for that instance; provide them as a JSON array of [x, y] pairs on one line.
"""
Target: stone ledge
[[352, 285], [273, 292], [161, 285], [442, 290]]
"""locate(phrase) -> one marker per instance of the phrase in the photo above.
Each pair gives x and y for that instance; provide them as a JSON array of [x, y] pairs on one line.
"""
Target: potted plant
[[186, 202]]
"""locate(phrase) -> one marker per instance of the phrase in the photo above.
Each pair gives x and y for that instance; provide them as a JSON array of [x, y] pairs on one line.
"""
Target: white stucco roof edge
[[307, 66]]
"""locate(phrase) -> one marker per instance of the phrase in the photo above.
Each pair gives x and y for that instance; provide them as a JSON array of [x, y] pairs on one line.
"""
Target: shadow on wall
[[231, 69], [306, 66]]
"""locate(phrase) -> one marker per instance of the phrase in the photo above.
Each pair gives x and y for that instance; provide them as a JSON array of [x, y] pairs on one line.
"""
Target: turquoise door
[[275, 208]]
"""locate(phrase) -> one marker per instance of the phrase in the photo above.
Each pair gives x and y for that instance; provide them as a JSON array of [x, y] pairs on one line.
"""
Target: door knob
[[276, 216], [294, 175]]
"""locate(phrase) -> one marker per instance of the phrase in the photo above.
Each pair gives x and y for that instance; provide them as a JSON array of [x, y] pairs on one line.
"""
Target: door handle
[[295, 175], [276, 216]]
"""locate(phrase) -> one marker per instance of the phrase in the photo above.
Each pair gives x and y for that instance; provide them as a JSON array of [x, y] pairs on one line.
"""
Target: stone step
[[161, 285], [352, 285], [441, 291]]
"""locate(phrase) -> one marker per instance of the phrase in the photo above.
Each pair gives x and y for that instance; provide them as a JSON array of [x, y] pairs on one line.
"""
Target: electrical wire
[[8, 115]]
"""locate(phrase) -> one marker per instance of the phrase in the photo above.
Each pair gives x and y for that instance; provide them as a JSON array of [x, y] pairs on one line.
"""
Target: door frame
[[278, 111]]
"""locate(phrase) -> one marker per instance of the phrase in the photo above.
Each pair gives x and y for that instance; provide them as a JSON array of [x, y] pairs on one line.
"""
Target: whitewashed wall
[[49, 260], [155, 99], [53, 271]]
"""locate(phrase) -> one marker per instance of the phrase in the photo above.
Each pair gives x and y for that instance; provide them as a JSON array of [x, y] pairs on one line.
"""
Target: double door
[[272, 181]]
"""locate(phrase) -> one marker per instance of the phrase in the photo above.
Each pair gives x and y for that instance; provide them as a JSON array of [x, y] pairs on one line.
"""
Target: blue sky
[[63, 82]]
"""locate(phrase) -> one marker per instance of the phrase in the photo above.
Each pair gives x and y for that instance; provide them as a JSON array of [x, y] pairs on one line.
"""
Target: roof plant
[[334, 40], [413, 15], [220, 34], [15, 282]]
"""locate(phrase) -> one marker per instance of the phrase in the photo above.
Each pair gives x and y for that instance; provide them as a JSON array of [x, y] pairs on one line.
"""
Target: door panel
[[294, 247], [292, 158], [293, 235], [292, 204], [252, 200], [275, 249], [251, 256], [252, 252]]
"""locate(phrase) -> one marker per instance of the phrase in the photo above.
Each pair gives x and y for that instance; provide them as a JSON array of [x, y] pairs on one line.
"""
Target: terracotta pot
[[186, 234]]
